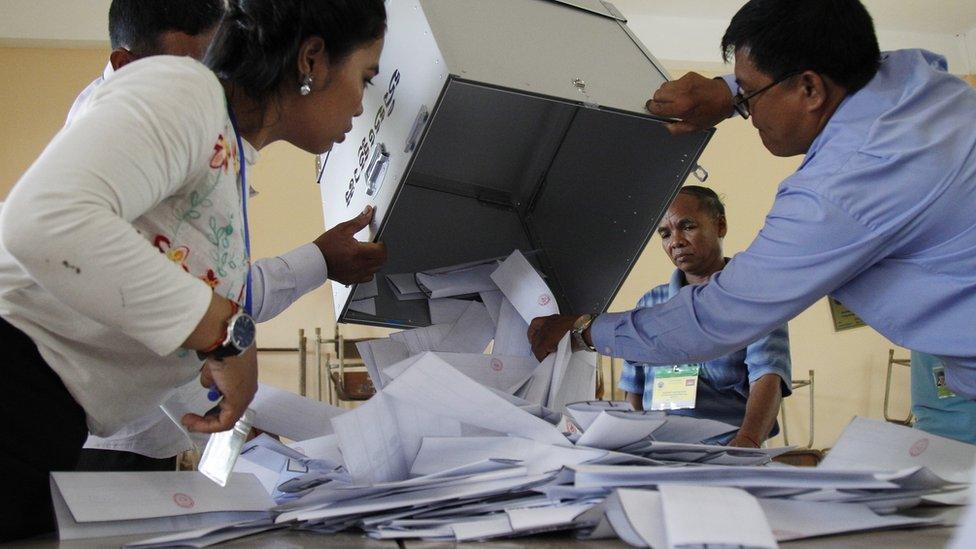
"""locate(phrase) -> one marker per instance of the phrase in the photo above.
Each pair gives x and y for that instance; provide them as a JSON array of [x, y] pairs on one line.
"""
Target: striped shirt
[[723, 387]]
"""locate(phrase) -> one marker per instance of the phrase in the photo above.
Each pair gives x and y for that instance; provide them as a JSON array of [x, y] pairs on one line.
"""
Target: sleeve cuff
[[308, 266], [786, 384], [602, 332], [729, 80]]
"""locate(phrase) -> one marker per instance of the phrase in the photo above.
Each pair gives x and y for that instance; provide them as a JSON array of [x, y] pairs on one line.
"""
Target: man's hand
[[699, 102], [237, 380], [546, 332], [743, 441], [350, 261]]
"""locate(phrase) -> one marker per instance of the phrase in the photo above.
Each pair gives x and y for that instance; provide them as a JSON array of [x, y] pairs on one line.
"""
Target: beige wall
[[37, 87]]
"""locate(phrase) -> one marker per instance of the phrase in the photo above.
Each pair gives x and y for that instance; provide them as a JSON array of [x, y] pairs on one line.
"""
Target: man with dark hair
[[743, 388], [879, 215], [156, 27], [143, 28]]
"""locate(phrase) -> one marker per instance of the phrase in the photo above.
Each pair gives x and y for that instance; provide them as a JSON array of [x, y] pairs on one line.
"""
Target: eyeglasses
[[741, 103]]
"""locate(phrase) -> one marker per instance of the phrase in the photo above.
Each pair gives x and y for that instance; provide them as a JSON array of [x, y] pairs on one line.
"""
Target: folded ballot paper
[[94, 505]]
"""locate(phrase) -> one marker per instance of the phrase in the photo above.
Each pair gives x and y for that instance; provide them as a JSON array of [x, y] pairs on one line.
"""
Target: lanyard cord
[[242, 162]]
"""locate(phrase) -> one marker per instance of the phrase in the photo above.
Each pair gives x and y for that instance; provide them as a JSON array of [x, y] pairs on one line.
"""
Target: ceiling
[[82, 22], [929, 16]]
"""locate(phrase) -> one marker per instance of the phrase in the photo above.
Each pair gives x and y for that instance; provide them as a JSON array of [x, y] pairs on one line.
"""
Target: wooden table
[[291, 539]]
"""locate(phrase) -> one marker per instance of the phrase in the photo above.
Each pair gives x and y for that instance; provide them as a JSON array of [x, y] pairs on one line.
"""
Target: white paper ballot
[[637, 517], [205, 537], [292, 416], [691, 429], [381, 438], [511, 331], [366, 290], [504, 373], [441, 454], [420, 340], [585, 412], [614, 429], [447, 310], [464, 281], [791, 520], [404, 283], [493, 302], [89, 505], [873, 444], [378, 354], [434, 385], [523, 286], [578, 381], [365, 306], [709, 516], [470, 333]]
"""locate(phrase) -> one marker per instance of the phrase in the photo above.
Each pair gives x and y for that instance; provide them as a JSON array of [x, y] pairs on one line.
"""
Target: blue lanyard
[[242, 162]]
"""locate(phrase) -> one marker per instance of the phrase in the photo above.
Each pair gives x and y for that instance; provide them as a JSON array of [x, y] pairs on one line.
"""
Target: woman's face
[[324, 117]]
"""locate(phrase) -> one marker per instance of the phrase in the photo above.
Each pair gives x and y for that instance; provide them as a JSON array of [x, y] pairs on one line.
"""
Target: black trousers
[[43, 431], [97, 460]]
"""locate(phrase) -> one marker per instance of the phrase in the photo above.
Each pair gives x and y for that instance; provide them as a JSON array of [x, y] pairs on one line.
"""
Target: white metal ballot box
[[497, 125]]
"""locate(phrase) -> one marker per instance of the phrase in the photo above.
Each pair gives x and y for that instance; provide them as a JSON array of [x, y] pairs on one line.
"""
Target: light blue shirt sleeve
[[807, 248], [771, 356], [277, 282], [632, 378]]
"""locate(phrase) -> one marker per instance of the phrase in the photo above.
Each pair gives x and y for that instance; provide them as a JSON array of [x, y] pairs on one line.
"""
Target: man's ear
[[313, 61], [121, 57], [723, 227], [814, 89]]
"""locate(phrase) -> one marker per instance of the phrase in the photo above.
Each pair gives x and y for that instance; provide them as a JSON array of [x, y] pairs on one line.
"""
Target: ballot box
[[497, 125]]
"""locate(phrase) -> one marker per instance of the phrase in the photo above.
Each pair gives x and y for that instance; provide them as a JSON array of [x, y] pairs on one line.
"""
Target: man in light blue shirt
[[879, 215], [743, 388]]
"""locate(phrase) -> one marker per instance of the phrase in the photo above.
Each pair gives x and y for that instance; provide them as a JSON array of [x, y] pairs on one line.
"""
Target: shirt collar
[[837, 120]]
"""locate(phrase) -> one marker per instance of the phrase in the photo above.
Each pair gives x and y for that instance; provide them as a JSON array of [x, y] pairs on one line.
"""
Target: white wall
[[695, 41], [59, 23]]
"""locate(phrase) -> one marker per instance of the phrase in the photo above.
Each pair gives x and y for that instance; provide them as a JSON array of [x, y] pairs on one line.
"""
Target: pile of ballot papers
[[479, 307], [463, 445]]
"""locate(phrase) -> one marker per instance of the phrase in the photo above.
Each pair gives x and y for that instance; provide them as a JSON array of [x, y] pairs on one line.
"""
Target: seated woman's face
[[327, 113]]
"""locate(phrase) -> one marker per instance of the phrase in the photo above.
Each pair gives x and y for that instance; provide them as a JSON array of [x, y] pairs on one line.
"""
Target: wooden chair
[[346, 379]]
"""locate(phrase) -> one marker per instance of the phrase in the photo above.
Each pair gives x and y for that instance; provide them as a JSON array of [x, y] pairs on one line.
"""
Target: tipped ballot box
[[503, 125]]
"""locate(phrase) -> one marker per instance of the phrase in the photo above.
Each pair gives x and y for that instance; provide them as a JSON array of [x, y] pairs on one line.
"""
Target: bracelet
[[219, 342]]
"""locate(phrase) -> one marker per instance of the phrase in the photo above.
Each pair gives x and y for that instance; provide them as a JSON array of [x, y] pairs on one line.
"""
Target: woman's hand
[[237, 380], [350, 261]]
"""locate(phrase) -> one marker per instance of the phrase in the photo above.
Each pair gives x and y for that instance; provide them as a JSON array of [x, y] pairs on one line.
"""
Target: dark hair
[[137, 24], [256, 46], [834, 38], [707, 199]]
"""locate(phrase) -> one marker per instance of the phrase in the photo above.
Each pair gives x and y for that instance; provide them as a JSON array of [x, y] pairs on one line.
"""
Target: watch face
[[243, 332]]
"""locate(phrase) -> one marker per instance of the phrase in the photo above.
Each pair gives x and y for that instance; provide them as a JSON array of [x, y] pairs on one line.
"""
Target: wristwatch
[[580, 326], [238, 337]]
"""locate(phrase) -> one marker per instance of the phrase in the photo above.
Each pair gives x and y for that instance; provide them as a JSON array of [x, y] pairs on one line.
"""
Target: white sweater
[[149, 166]]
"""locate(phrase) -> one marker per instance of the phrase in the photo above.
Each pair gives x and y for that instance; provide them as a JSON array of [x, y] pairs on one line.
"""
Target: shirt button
[[606, 351]]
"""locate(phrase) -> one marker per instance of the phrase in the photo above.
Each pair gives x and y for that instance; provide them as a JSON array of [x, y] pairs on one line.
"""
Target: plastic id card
[[940, 383], [223, 448], [675, 387]]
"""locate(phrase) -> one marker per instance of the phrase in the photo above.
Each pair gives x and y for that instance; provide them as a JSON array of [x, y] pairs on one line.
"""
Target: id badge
[[675, 387], [940, 383]]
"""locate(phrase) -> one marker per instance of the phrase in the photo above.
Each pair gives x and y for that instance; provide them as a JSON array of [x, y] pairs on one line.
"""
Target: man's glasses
[[741, 103]]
